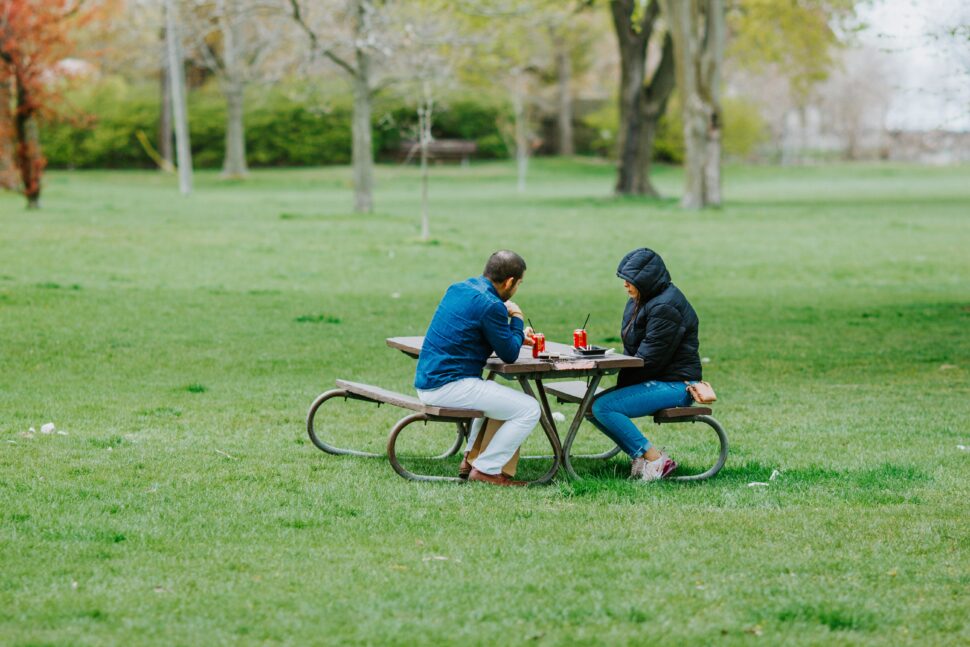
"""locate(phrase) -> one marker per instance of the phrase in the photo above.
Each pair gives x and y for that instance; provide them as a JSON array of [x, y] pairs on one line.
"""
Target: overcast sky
[[932, 88]]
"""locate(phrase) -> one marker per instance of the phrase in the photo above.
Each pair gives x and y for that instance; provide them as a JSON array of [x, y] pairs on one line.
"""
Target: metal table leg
[[545, 419], [574, 426]]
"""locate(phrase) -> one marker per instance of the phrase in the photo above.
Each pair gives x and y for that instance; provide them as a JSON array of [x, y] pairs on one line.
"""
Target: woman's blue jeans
[[614, 408]]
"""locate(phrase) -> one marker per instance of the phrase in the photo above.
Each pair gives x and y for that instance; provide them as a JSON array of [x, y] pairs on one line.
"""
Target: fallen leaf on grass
[[774, 474], [963, 448], [757, 484], [160, 589], [399, 567], [74, 585], [947, 367], [61, 432], [755, 630], [219, 451]]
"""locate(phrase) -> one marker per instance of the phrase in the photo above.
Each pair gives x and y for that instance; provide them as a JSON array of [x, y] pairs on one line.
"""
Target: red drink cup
[[538, 344], [579, 338]]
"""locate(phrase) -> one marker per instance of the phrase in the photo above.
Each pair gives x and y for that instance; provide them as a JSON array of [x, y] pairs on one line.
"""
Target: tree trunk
[[521, 129], [641, 179], [362, 151], [165, 116], [656, 94], [564, 67], [29, 160], [631, 124], [632, 45], [642, 103], [179, 106], [424, 135], [234, 163], [8, 170], [698, 28]]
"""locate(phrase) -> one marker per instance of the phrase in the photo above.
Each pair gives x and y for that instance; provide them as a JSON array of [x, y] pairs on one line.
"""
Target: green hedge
[[288, 128], [280, 130]]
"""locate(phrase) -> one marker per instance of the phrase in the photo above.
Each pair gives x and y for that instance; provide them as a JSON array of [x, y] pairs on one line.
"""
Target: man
[[475, 318]]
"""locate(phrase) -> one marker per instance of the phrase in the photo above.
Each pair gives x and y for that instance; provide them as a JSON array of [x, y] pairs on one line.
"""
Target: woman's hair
[[633, 317]]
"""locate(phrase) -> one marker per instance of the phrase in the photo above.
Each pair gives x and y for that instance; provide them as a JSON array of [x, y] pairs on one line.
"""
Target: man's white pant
[[519, 411]]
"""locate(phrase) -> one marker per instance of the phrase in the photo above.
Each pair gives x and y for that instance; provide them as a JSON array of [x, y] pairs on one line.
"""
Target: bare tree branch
[[315, 40]]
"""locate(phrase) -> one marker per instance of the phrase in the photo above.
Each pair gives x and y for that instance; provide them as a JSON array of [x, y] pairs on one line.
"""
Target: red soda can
[[579, 338], [538, 344]]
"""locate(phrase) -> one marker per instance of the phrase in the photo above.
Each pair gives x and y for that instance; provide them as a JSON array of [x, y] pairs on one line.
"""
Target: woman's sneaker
[[658, 469], [636, 467]]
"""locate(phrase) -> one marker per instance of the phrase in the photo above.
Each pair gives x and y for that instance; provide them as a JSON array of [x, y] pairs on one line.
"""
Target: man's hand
[[514, 310], [529, 340]]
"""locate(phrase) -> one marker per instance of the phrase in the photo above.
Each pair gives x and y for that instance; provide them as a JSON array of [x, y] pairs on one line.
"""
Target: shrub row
[[287, 127], [282, 129]]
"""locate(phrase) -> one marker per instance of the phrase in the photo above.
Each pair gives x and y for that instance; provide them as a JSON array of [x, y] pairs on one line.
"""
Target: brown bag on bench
[[701, 392], [484, 438]]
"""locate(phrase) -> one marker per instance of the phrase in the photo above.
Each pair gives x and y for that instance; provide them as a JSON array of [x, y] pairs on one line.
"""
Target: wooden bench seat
[[377, 394], [574, 392]]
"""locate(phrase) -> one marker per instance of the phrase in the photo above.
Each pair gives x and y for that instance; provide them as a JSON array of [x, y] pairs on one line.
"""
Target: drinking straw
[[530, 324], [586, 322]]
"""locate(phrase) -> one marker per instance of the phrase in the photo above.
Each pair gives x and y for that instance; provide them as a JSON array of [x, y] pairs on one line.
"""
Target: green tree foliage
[[800, 38]]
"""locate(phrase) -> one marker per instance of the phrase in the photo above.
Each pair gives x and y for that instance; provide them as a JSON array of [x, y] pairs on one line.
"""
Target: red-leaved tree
[[35, 35]]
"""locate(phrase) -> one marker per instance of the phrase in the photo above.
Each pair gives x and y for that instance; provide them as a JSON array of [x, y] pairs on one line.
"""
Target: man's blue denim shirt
[[471, 321]]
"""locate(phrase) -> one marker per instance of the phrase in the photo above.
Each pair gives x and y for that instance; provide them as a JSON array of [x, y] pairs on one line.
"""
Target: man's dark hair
[[503, 265]]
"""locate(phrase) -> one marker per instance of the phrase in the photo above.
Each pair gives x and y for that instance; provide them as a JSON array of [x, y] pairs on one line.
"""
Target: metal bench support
[[317, 440]]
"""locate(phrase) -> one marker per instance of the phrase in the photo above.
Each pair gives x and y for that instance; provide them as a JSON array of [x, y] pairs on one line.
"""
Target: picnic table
[[534, 376], [529, 371]]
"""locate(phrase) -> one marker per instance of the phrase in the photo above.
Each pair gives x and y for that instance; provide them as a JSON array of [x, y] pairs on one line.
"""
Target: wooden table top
[[527, 364]]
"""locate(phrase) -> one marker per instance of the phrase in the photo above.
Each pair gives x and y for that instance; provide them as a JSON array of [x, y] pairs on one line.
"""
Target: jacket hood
[[646, 270]]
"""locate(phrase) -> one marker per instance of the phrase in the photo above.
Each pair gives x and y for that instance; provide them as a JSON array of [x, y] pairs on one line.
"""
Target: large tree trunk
[[234, 163], [165, 116], [564, 67], [179, 106], [642, 103], [698, 31], [29, 160], [653, 104]]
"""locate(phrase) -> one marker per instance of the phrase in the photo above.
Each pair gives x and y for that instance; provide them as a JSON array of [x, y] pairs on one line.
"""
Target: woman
[[659, 327]]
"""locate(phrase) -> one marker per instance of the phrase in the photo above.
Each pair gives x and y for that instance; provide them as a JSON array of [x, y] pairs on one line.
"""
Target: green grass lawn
[[179, 342]]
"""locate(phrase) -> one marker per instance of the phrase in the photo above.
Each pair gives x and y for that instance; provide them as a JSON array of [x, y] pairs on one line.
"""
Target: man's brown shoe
[[494, 479], [465, 468]]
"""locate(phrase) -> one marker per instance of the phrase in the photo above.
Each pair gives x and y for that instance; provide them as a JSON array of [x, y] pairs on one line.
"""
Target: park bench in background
[[573, 393], [421, 412], [439, 150]]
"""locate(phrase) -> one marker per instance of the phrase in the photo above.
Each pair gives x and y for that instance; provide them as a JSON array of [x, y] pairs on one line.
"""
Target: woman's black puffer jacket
[[664, 329]]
